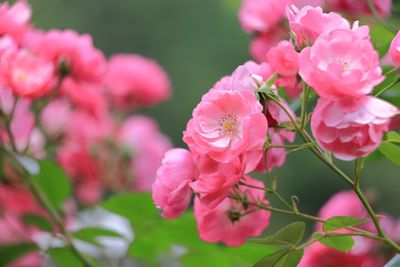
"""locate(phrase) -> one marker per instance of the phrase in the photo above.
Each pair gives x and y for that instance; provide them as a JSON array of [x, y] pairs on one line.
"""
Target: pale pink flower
[[341, 63], [7, 44], [284, 58], [303, 3], [133, 81], [394, 50], [14, 19], [263, 42], [310, 22], [84, 62], [351, 127], [142, 137], [171, 190], [27, 74], [261, 15], [224, 223], [361, 7], [55, 117], [226, 124]]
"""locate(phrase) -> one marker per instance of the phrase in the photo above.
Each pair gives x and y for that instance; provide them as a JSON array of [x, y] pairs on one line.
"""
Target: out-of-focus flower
[[55, 117], [263, 42], [226, 222], [341, 63], [394, 50], [361, 7], [134, 81], [171, 190], [14, 19], [284, 58], [27, 74], [351, 127]]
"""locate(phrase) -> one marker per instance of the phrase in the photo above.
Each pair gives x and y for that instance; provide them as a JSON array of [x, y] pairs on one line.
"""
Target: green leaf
[[65, 257], [53, 183], [38, 221], [91, 234], [290, 235], [340, 222], [391, 152], [9, 253], [282, 258], [393, 137], [338, 242], [205, 257]]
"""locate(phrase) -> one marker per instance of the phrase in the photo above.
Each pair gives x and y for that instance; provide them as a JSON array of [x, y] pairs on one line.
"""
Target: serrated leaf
[[290, 235], [53, 183], [9, 253], [91, 234], [339, 242], [391, 152], [339, 222], [38, 221]]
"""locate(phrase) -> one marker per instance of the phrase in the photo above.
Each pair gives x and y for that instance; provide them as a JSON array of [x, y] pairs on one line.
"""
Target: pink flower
[[303, 3], [171, 190], [361, 7], [55, 117], [394, 50], [142, 137], [225, 124], [261, 15], [7, 44], [28, 75], [263, 42], [351, 127], [84, 62], [14, 19], [341, 63], [284, 58], [133, 81], [310, 22], [224, 223], [319, 255]]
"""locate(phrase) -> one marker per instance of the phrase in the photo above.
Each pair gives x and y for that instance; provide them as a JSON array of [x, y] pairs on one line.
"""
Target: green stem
[[304, 106]]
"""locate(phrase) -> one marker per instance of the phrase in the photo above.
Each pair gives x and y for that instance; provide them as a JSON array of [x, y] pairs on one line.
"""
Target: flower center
[[343, 63], [228, 124]]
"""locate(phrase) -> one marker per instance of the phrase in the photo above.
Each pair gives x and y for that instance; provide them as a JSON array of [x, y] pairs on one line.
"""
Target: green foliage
[[91, 234], [9, 253], [53, 183], [339, 222], [338, 242], [290, 235], [38, 222], [393, 137], [391, 152], [282, 258], [64, 257]]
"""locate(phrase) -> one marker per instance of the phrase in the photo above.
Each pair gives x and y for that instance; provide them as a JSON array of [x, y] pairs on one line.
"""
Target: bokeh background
[[198, 42]]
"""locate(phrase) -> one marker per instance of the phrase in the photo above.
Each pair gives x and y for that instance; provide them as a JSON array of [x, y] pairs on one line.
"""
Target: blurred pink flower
[[27, 74], [284, 58], [142, 137], [361, 7], [225, 124], [55, 117], [341, 63], [394, 50], [134, 81], [310, 22], [14, 19], [224, 223], [263, 42], [351, 127], [171, 190]]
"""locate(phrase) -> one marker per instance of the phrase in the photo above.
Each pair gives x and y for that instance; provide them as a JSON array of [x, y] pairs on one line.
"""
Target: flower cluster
[[61, 98]]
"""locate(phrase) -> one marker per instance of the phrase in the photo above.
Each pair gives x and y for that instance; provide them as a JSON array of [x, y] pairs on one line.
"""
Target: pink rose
[[394, 50], [142, 137], [225, 124], [341, 63], [310, 22], [14, 19], [361, 7], [284, 58], [133, 81], [55, 117], [261, 15], [84, 62], [224, 223], [27, 74], [171, 190], [351, 127], [263, 42]]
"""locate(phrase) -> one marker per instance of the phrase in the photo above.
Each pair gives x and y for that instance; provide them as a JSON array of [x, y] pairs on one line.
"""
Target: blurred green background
[[198, 42]]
